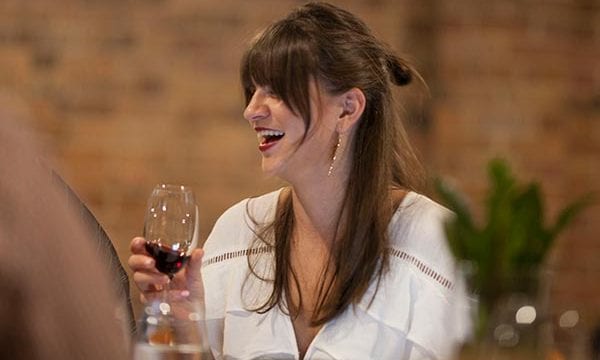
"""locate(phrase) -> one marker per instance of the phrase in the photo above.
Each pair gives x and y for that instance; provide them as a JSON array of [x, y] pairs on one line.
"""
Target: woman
[[347, 261]]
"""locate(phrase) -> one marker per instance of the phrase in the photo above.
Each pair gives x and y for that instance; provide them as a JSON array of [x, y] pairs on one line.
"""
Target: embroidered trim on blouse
[[236, 254], [424, 268]]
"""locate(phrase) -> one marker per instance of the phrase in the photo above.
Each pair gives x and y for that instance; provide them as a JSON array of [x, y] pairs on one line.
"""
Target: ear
[[353, 104]]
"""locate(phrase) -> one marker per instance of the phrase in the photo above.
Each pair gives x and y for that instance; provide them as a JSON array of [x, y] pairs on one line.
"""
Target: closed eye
[[269, 92]]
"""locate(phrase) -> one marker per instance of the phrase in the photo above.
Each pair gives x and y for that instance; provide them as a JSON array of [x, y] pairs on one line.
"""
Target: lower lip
[[265, 147]]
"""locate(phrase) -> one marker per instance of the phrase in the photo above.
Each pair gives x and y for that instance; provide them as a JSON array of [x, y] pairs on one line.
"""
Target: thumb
[[193, 274]]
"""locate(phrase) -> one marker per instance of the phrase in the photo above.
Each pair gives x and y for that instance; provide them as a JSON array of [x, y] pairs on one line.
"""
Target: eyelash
[[267, 90], [271, 93]]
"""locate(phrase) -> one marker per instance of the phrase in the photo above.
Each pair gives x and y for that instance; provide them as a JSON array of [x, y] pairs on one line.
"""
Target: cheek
[[297, 129], [320, 134], [317, 145]]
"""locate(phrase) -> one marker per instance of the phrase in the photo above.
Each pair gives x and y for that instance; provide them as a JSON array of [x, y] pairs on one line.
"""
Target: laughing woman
[[348, 261]]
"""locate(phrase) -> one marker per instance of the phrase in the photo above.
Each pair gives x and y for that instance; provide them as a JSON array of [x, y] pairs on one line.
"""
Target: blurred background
[[126, 94]]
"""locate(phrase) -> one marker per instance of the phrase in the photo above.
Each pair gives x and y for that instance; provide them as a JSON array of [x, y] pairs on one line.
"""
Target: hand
[[150, 282]]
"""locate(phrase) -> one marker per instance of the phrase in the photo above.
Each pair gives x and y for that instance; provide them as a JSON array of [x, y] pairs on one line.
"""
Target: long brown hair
[[320, 41]]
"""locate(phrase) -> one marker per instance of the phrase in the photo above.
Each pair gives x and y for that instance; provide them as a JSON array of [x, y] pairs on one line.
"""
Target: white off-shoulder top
[[420, 310]]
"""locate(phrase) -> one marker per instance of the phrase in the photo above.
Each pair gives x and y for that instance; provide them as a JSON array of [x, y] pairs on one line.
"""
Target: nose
[[256, 108]]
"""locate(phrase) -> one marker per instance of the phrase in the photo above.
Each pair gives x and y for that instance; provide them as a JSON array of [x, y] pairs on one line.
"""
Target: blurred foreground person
[[56, 297]]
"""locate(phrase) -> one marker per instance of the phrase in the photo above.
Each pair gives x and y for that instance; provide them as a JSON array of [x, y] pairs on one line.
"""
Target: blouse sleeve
[[423, 296], [225, 265], [215, 273]]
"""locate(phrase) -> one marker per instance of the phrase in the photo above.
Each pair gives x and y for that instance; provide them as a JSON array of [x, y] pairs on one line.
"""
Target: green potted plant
[[507, 250]]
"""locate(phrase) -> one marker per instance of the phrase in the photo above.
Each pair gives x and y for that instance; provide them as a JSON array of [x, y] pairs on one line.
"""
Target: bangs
[[281, 59]]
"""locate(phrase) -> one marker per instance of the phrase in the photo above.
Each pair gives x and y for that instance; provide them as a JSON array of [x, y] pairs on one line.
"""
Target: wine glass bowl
[[170, 227]]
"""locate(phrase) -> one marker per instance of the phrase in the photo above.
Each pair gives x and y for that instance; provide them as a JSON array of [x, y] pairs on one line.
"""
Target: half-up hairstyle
[[322, 42]]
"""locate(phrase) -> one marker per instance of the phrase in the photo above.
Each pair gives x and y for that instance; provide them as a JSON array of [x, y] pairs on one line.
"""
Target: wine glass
[[171, 227], [171, 327]]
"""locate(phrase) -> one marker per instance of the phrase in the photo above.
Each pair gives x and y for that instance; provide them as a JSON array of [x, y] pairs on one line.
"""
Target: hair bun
[[400, 73]]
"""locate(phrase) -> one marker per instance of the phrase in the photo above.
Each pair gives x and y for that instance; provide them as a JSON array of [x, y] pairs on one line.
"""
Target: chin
[[270, 170], [275, 169]]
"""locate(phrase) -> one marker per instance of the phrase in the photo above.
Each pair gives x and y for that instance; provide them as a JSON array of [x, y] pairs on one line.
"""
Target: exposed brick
[[128, 94]]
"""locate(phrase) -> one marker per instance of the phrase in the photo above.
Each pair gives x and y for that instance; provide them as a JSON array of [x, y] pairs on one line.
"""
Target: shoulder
[[421, 216], [422, 295], [232, 228], [418, 228]]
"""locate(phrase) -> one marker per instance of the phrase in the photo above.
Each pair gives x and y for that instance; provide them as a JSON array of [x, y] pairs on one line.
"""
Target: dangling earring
[[335, 154]]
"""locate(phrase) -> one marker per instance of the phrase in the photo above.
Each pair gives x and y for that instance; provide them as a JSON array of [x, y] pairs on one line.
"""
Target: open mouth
[[267, 138]]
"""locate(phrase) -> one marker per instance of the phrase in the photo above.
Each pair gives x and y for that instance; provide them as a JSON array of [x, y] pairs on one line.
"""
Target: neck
[[317, 204], [318, 196]]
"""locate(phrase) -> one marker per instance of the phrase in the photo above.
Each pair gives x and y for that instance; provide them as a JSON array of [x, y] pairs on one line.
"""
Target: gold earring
[[335, 154]]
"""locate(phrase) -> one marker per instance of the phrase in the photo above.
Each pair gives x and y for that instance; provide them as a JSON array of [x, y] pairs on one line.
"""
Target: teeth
[[264, 133]]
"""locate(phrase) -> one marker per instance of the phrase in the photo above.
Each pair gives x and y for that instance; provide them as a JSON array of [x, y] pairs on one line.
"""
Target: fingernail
[[149, 262], [185, 293]]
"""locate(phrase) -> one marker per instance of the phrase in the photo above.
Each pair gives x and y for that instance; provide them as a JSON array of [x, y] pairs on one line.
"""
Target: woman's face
[[281, 133]]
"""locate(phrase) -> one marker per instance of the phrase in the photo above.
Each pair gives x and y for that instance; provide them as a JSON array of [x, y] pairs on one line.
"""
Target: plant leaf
[[569, 212]]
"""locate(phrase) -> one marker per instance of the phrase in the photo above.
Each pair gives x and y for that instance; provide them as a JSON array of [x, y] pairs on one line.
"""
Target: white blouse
[[420, 310]]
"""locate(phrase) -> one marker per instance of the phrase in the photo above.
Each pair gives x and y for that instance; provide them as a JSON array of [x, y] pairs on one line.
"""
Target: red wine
[[168, 261]]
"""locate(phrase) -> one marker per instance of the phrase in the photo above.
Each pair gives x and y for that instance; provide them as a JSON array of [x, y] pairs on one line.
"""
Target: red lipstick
[[266, 146], [268, 138]]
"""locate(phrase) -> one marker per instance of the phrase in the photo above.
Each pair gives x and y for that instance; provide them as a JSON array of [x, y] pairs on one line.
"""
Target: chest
[[239, 332], [309, 264], [354, 335], [304, 332]]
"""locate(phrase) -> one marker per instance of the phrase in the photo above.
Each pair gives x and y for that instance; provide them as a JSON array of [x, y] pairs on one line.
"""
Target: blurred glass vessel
[[172, 330]]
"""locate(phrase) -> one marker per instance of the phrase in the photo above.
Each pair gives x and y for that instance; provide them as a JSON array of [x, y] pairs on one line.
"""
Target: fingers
[[141, 263], [145, 275], [195, 264], [150, 282], [191, 271], [137, 245], [193, 275]]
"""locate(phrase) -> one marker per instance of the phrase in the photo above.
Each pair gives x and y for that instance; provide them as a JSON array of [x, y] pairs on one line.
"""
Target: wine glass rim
[[173, 187]]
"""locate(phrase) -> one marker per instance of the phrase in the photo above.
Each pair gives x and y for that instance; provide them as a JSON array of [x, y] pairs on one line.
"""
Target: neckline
[[311, 345], [408, 196]]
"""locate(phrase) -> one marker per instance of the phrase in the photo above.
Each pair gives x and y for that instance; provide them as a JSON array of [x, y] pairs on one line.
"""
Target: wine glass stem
[[165, 292]]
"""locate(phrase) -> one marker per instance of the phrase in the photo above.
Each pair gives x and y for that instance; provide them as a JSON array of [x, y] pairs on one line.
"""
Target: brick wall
[[522, 80], [127, 94]]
